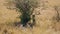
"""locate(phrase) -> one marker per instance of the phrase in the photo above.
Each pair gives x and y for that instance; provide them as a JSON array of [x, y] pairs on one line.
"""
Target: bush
[[26, 8]]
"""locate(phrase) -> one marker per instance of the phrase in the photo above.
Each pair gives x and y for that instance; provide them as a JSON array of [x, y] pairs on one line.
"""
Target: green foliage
[[26, 8]]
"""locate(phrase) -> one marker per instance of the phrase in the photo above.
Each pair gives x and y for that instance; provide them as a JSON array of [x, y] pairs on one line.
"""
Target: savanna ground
[[45, 21]]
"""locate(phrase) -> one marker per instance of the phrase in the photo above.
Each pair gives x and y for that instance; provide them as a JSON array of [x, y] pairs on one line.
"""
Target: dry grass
[[44, 23]]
